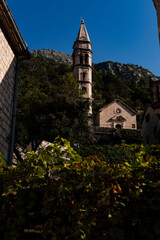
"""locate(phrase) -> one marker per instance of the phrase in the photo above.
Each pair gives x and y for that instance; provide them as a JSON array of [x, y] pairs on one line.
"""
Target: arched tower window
[[84, 89], [86, 58], [81, 59], [84, 75]]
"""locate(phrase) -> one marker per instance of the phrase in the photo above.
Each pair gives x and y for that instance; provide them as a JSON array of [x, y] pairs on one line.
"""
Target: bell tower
[[82, 63], [157, 7]]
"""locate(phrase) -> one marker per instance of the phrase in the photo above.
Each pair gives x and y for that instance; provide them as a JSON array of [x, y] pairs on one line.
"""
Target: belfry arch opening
[[84, 76], [81, 58], [86, 58]]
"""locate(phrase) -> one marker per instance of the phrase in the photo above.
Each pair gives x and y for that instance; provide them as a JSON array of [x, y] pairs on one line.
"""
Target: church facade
[[116, 115]]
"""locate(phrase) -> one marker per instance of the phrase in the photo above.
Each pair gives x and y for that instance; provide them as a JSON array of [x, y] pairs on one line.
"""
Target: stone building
[[151, 117], [157, 7], [108, 116], [12, 47], [116, 115], [151, 124], [82, 62]]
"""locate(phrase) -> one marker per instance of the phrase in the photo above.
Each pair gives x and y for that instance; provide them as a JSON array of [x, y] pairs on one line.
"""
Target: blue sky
[[123, 31]]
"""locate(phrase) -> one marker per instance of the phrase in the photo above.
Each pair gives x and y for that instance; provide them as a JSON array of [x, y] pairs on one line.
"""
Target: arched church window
[[118, 126], [86, 59], [81, 59]]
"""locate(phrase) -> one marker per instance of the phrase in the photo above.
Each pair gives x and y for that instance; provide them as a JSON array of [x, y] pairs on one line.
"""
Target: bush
[[57, 194]]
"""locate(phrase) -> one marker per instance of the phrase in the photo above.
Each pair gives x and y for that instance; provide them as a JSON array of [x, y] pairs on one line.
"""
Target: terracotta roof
[[11, 30], [117, 100]]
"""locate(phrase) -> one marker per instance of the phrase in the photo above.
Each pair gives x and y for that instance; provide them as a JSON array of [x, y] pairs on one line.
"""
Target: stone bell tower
[[82, 63], [157, 7]]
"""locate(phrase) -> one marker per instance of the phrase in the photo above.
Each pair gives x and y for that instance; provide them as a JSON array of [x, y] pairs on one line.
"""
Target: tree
[[49, 104], [107, 87]]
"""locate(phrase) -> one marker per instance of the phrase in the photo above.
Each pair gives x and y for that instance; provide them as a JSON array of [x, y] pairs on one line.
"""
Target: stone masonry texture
[[7, 80], [157, 6]]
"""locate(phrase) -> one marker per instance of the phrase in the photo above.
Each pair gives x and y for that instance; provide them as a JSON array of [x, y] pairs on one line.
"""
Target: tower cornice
[[82, 50], [84, 65]]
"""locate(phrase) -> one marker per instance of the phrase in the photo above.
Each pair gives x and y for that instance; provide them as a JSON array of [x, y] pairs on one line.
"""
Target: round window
[[118, 110]]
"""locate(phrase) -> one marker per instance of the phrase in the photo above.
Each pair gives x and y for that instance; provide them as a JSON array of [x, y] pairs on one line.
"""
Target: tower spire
[[83, 34]]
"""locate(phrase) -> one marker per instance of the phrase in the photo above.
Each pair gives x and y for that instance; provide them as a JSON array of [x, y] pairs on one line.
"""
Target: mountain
[[59, 57], [125, 71], [122, 71]]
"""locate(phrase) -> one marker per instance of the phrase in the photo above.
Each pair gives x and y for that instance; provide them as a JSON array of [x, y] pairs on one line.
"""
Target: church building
[[116, 115], [108, 116]]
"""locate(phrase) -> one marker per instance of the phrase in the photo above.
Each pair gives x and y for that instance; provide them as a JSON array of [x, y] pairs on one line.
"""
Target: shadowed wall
[[7, 81]]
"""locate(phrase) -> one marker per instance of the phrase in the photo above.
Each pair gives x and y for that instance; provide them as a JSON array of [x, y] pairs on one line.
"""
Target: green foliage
[[108, 87], [49, 103], [57, 194], [111, 154]]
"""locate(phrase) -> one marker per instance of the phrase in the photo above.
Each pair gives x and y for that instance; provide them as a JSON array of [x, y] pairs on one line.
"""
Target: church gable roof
[[121, 102], [83, 34]]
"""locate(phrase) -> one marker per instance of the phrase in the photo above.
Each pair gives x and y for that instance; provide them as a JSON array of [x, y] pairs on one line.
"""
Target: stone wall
[[150, 127], [117, 113], [7, 80]]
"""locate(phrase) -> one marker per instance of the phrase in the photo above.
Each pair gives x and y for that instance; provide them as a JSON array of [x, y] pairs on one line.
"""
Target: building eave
[[11, 30]]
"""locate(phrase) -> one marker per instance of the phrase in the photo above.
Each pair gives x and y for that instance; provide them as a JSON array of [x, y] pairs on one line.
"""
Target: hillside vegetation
[[50, 103], [96, 191]]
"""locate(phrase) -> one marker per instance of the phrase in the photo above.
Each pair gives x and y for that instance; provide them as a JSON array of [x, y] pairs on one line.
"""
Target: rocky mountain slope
[[122, 71], [125, 71], [52, 54]]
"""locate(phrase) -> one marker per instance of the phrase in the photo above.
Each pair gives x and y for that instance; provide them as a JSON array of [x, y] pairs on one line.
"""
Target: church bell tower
[[82, 63]]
